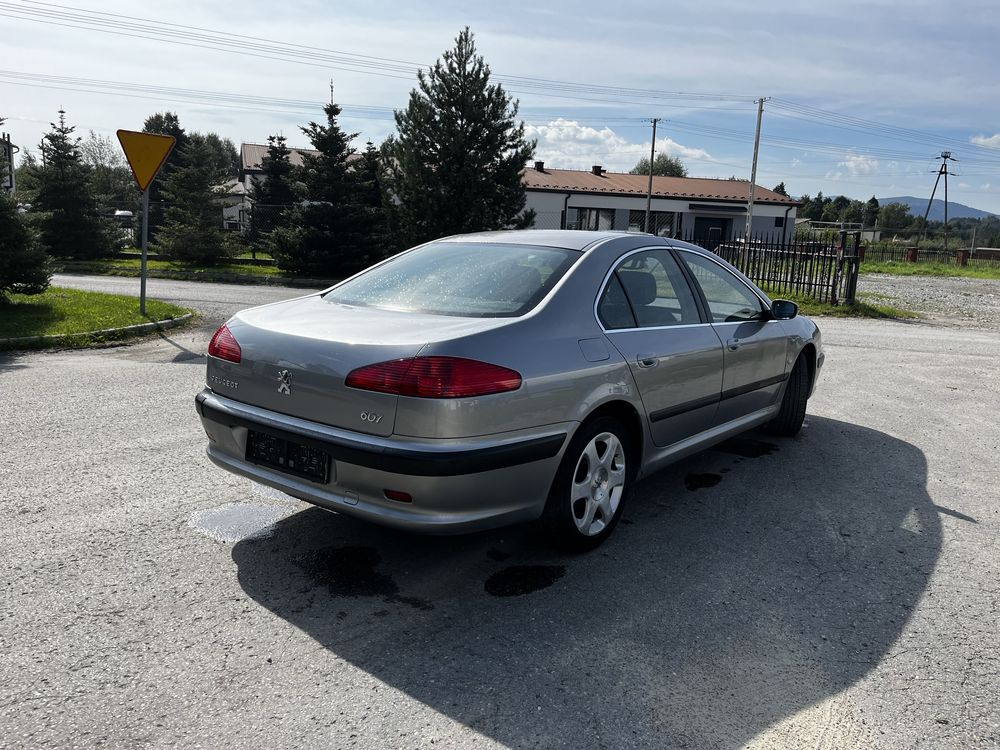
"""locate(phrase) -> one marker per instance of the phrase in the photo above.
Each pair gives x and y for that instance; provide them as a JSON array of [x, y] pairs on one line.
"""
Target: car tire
[[793, 404], [591, 486]]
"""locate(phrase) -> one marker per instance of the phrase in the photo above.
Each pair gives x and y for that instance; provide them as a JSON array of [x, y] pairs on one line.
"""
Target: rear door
[[754, 344], [651, 315]]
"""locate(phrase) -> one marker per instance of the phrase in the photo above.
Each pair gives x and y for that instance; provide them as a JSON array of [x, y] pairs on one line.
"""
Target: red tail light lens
[[224, 346], [435, 377]]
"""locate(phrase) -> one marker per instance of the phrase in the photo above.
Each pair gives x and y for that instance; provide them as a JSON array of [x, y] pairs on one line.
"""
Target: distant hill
[[917, 207]]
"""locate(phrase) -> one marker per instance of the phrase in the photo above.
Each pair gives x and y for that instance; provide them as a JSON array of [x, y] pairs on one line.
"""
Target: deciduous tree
[[895, 216], [664, 165]]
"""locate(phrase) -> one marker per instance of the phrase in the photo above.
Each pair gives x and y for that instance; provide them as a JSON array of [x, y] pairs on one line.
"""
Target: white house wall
[[549, 206]]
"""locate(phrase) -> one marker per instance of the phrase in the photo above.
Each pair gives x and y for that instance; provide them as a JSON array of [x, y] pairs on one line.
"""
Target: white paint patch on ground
[[234, 522]]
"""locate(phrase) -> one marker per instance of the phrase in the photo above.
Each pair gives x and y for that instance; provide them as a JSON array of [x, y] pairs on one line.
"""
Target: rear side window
[[450, 278], [613, 309], [653, 290]]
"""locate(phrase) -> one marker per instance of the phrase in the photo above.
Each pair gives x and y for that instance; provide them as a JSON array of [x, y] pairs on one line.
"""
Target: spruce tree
[[368, 168], [163, 123], [456, 163], [192, 227], [332, 232], [24, 266], [871, 212], [71, 224], [272, 195]]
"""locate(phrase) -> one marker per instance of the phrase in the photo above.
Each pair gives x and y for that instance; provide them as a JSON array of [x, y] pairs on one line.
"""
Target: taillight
[[435, 377], [225, 346]]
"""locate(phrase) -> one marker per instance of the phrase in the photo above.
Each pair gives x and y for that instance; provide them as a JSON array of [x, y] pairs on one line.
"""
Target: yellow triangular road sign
[[145, 153]]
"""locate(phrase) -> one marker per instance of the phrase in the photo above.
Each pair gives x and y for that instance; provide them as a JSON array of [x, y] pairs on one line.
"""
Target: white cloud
[[858, 164], [566, 144], [985, 186], [990, 141], [834, 176]]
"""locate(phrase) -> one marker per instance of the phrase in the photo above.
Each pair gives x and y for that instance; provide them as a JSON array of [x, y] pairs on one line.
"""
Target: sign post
[[145, 153]]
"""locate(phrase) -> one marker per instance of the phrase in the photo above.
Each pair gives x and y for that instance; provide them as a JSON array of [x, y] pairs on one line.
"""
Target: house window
[[779, 222], [595, 219], [661, 222]]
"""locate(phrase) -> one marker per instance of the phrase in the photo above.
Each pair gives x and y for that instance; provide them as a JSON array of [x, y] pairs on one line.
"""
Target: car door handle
[[644, 360], [733, 344]]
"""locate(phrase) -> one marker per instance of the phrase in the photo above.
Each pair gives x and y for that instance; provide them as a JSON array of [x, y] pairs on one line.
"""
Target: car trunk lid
[[296, 355]]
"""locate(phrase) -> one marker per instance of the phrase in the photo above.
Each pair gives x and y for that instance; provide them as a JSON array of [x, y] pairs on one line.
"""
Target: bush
[[196, 244], [24, 265]]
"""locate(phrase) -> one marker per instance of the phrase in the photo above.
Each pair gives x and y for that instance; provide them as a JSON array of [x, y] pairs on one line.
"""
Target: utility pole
[[331, 91], [649, 189], [753, 171], [944, 161], [942, 170]]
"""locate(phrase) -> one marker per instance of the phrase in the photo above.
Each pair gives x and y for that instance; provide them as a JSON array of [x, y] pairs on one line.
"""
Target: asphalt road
[[837, 590]]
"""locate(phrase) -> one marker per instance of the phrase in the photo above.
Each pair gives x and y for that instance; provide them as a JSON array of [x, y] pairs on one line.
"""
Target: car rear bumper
[[457, 485]]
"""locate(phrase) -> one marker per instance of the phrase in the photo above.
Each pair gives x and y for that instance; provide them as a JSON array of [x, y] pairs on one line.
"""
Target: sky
[[861, 96]]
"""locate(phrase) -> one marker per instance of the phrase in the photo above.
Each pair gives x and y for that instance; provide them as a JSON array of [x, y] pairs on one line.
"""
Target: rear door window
[[655, 290]]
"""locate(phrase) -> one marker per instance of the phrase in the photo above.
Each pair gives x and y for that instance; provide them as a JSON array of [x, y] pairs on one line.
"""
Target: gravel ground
[[944, 298]]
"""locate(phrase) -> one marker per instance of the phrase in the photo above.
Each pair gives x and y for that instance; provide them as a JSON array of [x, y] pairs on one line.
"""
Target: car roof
[[569, 239]]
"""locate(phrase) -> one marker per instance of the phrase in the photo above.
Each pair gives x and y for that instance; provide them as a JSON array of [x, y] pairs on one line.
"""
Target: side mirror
[[782, 309]]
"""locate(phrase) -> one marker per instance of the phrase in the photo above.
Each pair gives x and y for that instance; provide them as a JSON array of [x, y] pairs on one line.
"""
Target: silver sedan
[[486, 379]]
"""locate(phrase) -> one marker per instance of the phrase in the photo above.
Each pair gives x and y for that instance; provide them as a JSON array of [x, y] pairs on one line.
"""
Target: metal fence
[[889, 253], [821, 270]]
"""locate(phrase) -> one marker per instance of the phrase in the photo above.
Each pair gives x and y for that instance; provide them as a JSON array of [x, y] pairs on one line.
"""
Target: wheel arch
[[809, 353], [628, 415]]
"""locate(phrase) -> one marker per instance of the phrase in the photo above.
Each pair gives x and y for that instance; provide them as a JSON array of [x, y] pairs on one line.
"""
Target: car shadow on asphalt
[[9, 363], [743, 585]]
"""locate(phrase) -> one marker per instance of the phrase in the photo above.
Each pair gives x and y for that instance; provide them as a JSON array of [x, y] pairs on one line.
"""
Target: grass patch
[[932, 269], [74, 312], [867, 306], [131, 266]]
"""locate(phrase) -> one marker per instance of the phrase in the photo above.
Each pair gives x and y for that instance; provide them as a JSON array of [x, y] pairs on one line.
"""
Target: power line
[[150, 29]]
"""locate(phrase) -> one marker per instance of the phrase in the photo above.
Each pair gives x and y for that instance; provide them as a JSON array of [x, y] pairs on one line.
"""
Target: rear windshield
[[474, 280]]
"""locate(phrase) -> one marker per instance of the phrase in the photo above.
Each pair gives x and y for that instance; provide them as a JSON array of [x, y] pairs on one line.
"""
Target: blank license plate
[[288, 456]]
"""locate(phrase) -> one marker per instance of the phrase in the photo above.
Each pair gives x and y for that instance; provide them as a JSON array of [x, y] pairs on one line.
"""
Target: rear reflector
[[400, 497], [224, 346], [435, 377]]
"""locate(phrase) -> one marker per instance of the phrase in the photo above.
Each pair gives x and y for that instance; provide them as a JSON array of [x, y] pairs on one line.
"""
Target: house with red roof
[[708, 209]]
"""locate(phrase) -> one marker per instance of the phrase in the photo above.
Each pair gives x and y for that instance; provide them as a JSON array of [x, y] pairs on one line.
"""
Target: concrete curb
[[55, 338]]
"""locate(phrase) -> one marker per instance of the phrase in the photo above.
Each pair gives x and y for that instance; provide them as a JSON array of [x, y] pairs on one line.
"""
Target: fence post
[[854, 266]]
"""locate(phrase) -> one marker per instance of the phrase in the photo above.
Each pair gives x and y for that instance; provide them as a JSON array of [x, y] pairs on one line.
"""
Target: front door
[[754, 345], [650, 314], [711, 231]]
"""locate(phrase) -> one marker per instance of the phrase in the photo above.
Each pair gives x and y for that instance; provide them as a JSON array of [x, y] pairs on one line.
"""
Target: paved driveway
[[836, 590]]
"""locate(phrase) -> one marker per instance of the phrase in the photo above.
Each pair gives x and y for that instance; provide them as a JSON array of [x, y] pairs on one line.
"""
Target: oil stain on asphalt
[[746, 447], [518, 580], [351, 572], [701, 481]]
